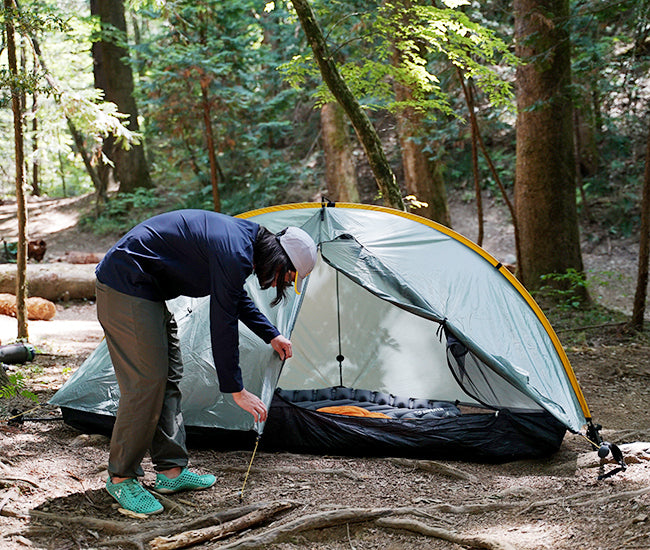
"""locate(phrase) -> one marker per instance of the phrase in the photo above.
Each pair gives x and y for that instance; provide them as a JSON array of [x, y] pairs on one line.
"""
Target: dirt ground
[[52, 477]]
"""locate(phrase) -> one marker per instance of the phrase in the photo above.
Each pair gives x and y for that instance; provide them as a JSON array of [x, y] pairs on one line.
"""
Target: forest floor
[[52, 477]]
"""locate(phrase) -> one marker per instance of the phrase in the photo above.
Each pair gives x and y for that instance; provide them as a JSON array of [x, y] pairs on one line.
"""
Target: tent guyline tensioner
[[604, 449]]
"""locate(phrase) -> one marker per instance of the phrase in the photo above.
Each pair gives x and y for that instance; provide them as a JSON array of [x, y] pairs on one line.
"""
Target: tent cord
[[8, 420], [250, 465], [589, 440]]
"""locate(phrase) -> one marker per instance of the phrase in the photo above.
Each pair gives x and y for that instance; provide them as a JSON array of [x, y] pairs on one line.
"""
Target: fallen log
[[55, 281]]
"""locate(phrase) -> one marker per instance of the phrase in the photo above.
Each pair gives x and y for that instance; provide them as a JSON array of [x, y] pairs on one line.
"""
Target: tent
[[408, 339]]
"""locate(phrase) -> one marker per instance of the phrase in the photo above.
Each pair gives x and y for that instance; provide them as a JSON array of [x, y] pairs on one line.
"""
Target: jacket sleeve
[[255, 320], [224, 336], [229, 303]]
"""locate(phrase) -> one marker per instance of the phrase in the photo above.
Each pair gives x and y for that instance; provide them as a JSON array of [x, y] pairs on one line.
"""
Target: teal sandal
[[132, 496], [186, 481]]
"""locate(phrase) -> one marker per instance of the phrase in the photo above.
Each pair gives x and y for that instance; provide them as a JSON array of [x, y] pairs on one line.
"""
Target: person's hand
[[251, 403], [283, 346]]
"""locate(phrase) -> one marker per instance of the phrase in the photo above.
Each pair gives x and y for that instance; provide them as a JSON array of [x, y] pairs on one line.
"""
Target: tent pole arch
[[473, 246]]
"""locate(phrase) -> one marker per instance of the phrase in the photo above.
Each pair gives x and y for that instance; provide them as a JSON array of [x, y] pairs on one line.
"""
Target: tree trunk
[[638, 308], [36, 188], [21, 256], [114, 76], [545, 171], [474, 131], [367, 134], [422, 175], [340, 172], [55, 282]]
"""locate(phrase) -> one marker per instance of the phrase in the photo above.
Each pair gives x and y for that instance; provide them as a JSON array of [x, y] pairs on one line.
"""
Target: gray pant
[[144, 348]]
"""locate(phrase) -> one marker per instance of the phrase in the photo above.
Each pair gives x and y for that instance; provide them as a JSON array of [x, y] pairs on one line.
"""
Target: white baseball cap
[[301, 249]]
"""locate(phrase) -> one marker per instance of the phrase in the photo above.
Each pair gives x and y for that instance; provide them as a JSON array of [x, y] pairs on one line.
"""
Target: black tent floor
[[489, 436]]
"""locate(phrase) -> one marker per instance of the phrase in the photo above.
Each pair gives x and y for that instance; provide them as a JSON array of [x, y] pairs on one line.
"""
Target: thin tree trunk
[[85, 157], [73, 131], [577, 146], [469, 95], [640, 296], [36, 188], [21, 257], [422, 176], [209, 138], [340, 173], [367, 134], [469, 100]]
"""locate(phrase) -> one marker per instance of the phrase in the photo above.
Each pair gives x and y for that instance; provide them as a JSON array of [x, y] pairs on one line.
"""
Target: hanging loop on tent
[[250, 465], [442, 329], [325, 203]]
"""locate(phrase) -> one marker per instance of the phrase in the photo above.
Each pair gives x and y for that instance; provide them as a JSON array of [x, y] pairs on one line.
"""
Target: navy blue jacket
[[194, 253]]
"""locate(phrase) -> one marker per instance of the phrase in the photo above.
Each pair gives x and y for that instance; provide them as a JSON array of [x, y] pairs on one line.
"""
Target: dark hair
[[271, 263]]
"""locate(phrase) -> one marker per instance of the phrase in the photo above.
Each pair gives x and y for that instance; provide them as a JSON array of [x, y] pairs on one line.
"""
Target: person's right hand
[[251, 403]]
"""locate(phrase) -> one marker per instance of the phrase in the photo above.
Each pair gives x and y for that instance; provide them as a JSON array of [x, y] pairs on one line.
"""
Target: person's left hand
[[251, 403], [283, 346]]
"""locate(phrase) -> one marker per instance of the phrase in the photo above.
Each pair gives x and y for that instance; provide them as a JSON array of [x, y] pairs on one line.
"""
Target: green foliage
[[246, 65], [565, 290], [429, 39], [609, 60], [122, 212], [59, 86], [16, 387], [219, 58]]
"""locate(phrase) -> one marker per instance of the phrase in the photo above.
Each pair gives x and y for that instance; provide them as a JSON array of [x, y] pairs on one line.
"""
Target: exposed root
[[296, 471], [10, 481], [436, 468], [318, 520], [188, 538], [473, 541], [107, 526]]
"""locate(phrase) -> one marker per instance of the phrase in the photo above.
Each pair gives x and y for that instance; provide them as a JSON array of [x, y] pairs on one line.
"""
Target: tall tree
[[640, 295], [114, 76], [21, 206], [545, 191], [340, 172]]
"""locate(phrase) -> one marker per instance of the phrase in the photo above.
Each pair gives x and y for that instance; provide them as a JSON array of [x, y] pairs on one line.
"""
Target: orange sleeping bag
[[351, 410]]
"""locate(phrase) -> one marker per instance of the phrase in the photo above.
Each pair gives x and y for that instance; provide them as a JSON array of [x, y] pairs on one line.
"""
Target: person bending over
[[190, 253]]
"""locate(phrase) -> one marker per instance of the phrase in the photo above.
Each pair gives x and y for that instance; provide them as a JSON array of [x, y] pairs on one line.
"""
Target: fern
[[16, 388]]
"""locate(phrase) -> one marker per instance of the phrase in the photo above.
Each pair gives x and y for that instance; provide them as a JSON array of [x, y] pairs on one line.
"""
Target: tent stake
[[250, 465]]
